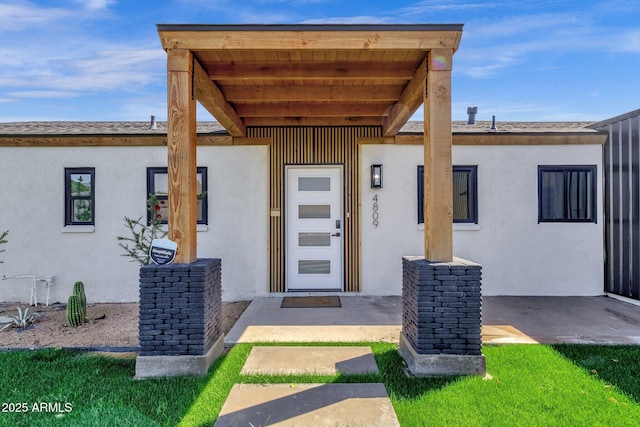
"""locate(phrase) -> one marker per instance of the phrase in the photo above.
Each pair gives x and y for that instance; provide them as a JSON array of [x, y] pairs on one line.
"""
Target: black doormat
[[311, 302]]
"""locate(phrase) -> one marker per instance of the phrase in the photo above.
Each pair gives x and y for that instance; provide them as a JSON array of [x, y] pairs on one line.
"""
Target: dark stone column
[[180, 318], [441, 317]]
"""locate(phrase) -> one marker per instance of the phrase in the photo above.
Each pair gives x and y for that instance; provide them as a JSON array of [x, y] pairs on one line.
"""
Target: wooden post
[[438, 197], [181, 142]]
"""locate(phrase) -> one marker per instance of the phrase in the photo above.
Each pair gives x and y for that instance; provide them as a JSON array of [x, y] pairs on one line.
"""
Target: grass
[[529, 385]]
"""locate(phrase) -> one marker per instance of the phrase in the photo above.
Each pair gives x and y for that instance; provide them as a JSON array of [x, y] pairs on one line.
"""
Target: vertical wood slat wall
[[307, 146]]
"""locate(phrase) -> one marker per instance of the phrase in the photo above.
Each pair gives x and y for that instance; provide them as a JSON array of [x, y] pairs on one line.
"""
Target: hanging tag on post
[[163, 251]]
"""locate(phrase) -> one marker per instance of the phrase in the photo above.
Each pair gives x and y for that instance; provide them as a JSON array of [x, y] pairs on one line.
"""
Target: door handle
[[336, 235]]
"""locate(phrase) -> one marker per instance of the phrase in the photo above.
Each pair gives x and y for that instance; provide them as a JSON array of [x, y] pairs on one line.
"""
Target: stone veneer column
[[180, 318], [441, 317]]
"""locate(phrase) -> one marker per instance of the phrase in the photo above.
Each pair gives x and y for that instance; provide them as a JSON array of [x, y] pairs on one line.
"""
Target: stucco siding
[[519, 256], [32, 192]]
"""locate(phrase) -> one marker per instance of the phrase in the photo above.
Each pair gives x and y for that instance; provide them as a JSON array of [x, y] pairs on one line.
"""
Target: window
[[158, 185], [465, 194], [79, 196], [567, 193]]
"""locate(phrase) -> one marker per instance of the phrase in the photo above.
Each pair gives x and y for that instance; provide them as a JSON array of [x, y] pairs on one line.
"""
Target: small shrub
[[22, 320], [142, 234], [3, 240]]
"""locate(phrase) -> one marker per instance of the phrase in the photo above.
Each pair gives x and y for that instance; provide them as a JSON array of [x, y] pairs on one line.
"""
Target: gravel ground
[[110, 325]]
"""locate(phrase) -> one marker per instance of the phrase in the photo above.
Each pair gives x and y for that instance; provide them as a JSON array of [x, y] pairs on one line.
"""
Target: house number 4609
[[375, 215]]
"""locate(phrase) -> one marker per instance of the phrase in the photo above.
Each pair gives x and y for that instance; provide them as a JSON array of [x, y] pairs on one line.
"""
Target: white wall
[[518, 255], [32, 194], [238, 218]]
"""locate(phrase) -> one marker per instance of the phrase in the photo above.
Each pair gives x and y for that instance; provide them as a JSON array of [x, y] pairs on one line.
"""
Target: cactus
[[78, 289], [74, 312]]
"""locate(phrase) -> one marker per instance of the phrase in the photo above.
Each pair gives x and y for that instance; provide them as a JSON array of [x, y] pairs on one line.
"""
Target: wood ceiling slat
[[310, 70], [331, 92], [311, 109], [312, 121]]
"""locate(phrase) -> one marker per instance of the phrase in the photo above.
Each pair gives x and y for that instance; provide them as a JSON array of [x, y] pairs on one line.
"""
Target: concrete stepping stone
[[308, 405], [285, 360]]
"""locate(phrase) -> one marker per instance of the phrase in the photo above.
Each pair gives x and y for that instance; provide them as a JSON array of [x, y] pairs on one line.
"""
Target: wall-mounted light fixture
[[376, 176]]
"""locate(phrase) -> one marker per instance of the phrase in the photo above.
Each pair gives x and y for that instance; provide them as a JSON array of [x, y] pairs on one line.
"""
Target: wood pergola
[[310, 75]]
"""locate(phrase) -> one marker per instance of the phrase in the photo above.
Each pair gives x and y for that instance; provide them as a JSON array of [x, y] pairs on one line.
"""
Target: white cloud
[[142, 108], [535, 25], [348, 20], [43, 94], [625, 41], [111, 69], [121, 68], [430, 6], [96, 4], [292, 2], [22, 16]]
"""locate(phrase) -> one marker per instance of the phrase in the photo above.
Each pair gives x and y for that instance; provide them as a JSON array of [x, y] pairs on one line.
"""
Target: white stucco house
[[310, 179], [501, 177]]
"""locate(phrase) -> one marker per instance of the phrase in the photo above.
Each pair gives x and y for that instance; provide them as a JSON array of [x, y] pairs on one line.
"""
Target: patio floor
[[505, 320]]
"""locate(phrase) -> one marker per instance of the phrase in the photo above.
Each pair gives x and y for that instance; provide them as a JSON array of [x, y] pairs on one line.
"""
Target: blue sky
[[519, 60]]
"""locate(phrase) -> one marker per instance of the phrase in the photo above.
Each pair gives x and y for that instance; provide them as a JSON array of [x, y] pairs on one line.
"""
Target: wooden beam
[[438, 179], [157, 140], [313, 121], [302, 109], [215, 103], [512, 139], [122, 141], [309, 40], [218, 141], [311, 71], [409, 101], [181, 142], [250, 94], [83, 140], [577, 138], [381, 140]]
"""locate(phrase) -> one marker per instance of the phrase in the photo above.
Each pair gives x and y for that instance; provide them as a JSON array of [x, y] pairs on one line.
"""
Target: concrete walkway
[[505, 320], [357, 404], [359, 319]]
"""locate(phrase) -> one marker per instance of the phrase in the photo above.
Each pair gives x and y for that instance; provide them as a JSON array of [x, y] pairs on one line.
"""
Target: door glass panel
[[314, 211], [314, 266], [313, 183], [314, 239]]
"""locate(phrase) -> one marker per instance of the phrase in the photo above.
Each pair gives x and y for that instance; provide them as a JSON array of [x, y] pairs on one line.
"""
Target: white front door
[[314, 228]]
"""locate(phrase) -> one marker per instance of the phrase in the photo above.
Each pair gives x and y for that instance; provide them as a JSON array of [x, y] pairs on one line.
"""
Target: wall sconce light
[[376, 176]]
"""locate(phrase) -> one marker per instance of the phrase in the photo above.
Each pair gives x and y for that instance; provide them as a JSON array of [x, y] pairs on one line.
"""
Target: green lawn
[[572, 385]]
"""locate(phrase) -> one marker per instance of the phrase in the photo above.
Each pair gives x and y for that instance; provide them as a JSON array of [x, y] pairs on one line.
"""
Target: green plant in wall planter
[[137, 245], [23, 320], [3, 240]]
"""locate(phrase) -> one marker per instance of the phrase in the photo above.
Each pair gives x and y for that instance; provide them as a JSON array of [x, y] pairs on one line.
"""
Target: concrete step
[[306, 405], [285, 360]]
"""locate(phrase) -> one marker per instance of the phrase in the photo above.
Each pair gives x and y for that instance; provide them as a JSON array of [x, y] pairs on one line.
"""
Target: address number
[[375, 215]]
